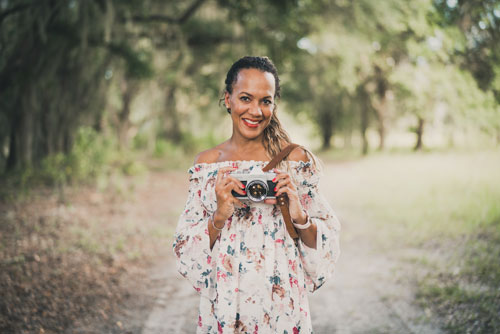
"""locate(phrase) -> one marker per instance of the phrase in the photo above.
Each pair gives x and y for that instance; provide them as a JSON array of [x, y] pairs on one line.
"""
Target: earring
[[228, 110]]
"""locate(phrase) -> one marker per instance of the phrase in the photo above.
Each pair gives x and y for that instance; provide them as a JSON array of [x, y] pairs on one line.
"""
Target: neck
[[245, 146]]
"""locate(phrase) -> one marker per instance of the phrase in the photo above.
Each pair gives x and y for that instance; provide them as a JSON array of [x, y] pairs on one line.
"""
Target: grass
[[447, 204], [468, 298], [421, 196]]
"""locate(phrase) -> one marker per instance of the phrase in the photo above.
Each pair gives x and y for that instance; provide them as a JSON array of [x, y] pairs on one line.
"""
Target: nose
[[255, 110]]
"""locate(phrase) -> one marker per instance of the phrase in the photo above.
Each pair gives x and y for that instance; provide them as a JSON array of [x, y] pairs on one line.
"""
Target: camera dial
[[257, 190]]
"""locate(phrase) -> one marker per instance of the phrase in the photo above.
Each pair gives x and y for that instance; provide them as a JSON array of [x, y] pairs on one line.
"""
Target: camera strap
[[283, 199]]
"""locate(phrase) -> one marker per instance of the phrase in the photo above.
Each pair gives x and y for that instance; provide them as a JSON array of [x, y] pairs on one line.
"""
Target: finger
[[289, 191], [226, 170], [280, 191], [221, 173], [281, 176], [225, 181], [270, 201], [233, 185], [238, 182], [283, 182], [239, 203]]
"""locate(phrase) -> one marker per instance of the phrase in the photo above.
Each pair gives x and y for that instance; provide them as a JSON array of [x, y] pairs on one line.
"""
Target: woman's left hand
[[285, 185]]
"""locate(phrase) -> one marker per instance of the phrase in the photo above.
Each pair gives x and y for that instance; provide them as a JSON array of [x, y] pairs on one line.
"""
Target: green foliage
[[464, 311], [482, 254], [469, 300], [153, 71], [181, 155], [133, 168], [54, 169], [137, 62], [478, 23], [90, 158], [163, 147], [91, 155]]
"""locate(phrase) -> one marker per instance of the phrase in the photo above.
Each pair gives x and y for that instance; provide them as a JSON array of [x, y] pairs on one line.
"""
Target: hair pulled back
[[274, 135]]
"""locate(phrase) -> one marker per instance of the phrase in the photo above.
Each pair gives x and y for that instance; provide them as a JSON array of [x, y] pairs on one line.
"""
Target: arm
[[297, 212], [319, 243], [191, 240], [225, 200], [319, 262]]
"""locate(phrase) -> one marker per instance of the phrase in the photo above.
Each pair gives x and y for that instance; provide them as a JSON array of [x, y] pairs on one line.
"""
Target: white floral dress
[[255, 279]]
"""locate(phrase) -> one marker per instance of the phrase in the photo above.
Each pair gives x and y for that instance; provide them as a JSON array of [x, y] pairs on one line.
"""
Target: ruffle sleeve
[[319, 263], [191, 240]]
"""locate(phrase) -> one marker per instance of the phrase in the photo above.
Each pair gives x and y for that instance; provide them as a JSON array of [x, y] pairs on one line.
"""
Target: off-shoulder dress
[[256, 278]]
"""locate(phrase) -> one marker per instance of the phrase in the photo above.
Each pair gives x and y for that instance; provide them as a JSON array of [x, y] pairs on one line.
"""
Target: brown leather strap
[[283, 199], [280, 156], [285, 212]]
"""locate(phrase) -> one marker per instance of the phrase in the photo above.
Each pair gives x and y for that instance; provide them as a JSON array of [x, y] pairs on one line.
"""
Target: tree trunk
[[364, 128], [21, 138], [420, 133], [129, 90], [348, 138], [326, 138], [365, 107], [326, 124], [380, 108], [172, 129], [380, 112], [12, 158]]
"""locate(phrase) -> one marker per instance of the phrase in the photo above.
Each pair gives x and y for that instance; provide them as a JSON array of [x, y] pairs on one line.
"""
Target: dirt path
[[372, 291]]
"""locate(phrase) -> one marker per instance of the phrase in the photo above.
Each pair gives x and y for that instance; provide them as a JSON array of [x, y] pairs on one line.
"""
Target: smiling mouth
[[251, 123]]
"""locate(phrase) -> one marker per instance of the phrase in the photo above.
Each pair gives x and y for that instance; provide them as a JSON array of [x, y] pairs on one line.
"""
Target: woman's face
[[251, 102]]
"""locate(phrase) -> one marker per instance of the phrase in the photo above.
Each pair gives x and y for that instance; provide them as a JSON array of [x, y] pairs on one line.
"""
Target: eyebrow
[[265, 97]]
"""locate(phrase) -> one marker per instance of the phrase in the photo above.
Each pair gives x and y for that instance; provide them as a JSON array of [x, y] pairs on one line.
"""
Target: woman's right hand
[[224, 184]]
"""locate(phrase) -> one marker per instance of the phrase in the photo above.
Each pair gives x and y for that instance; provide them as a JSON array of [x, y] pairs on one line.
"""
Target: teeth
[[251, 122]]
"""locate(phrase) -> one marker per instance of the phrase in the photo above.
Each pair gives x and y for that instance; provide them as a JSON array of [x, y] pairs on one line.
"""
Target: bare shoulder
[[209, 156], [298, 154]]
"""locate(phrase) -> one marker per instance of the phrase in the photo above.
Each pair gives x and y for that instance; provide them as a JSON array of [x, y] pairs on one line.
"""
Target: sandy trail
[[372, 291]]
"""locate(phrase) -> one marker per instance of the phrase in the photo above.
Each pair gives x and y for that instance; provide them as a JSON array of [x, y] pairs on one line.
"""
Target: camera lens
[[256, 190]]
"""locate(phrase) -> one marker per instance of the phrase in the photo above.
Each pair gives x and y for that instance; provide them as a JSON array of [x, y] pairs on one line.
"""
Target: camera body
[[258, 185]]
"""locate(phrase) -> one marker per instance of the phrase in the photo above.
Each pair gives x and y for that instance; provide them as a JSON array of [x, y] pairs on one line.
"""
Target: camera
[[258, 186]]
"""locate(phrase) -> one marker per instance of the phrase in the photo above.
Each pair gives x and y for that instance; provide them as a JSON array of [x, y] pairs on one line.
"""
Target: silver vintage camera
[[258, 185]]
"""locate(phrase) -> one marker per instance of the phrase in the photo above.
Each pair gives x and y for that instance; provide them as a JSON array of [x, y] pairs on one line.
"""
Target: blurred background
[[104, 104]]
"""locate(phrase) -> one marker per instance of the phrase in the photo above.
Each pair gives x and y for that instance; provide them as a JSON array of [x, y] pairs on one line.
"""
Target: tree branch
[[14, 10], [168, 19], [154, 18], [190, 11]]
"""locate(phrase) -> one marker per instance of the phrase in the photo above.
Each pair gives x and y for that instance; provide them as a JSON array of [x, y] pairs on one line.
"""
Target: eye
[[245, 98], [268, 102]]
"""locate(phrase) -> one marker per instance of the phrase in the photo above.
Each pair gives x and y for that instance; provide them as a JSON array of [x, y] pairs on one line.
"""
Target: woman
[[250, 273]]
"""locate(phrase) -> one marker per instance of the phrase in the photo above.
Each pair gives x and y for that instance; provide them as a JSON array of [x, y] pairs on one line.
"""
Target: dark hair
[[274, 134], [260, 63]]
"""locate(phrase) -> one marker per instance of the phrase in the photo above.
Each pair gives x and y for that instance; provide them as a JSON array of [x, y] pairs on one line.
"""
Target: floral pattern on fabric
[[256, 278]]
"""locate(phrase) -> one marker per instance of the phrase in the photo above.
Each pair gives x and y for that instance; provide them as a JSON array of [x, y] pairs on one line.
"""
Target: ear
[[226, 99]]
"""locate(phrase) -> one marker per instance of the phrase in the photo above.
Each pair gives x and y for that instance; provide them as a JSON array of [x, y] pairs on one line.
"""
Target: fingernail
[[242, 186], [274, 180], [244, 192], [275, 188]]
